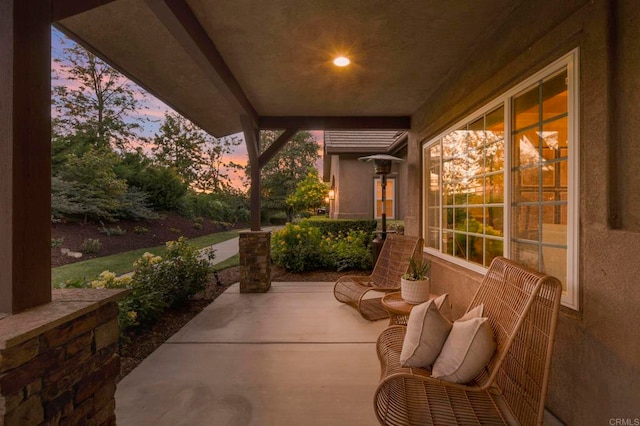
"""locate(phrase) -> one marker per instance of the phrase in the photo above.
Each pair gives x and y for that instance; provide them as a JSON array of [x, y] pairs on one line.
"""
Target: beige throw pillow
[[467, 350], [427, 330], [444, 306]]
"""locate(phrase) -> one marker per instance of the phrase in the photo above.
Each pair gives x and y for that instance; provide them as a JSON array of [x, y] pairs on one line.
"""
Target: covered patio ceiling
[[215, 61]]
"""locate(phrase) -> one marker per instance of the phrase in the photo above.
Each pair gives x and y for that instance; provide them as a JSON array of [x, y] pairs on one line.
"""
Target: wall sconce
[[332, 194]]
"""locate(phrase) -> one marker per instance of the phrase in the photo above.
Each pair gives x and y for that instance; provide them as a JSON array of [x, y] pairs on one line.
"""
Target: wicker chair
[[390, 266], [522, 307]]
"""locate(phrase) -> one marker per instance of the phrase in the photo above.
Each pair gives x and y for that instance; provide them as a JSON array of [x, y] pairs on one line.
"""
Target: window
[[465, 190], [390, 199], [503, 182]]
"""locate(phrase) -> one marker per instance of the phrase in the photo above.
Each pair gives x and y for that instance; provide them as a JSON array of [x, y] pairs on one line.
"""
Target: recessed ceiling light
[[341, 61]]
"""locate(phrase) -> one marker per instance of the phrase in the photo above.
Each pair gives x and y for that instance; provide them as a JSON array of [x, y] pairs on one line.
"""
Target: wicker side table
[[398, 309]]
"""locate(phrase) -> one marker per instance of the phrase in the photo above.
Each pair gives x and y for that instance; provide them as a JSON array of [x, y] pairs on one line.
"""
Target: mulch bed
[[169, 227]]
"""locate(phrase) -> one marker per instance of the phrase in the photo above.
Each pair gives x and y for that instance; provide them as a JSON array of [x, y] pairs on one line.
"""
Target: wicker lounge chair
[[522, 307], [390, 266]]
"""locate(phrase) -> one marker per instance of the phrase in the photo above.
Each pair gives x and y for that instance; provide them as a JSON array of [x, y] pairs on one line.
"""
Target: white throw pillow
[[427, 330], [444, 306], [467, 351]]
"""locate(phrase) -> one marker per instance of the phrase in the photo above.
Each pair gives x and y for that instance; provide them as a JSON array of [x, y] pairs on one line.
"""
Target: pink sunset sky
[[153, 111]]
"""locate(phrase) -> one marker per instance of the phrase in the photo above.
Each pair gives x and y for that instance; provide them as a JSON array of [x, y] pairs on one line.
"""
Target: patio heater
[[382, 166]]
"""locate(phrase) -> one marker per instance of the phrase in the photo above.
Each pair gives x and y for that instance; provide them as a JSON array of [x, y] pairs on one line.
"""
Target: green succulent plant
[[417, 270]]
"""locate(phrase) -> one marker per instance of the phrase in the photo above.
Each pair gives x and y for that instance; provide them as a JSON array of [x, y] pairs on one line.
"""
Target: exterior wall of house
[[596, 362], [354, 187]]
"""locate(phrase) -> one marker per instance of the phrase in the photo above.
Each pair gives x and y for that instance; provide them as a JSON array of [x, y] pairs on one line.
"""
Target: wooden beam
[[276, 146], [25, 154], [62, 9], [252, 139], [334, 123], [178, 18]]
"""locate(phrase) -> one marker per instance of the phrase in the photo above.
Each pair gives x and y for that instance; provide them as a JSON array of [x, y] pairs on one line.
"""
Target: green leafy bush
[[299, 248], [158, 282], [224, 206], [349, 251], [278, 219], [91, 245], [112, 232], [135, 204], [57, 242], [140, 230], [336, 226], [303, 247]]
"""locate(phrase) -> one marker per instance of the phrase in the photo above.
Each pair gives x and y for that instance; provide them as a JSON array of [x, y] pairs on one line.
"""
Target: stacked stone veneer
[[59, 361], [255, 261]]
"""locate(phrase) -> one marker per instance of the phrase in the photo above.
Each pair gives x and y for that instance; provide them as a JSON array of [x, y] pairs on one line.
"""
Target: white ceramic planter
[[415, 292]]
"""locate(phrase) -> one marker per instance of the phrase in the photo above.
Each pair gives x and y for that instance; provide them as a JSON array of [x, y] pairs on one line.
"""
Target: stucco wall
[[354, 187], [595, 374]]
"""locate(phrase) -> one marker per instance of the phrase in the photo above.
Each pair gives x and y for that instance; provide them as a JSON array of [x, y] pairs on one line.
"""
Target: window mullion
[[507, 179]]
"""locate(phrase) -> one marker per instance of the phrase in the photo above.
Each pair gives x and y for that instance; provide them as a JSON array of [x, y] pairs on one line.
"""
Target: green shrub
[[197, 225], [57, 242], [140, 230], [158, 283], [349, 251], [303, 247], [305, 215], [224, 206], [299, 248], [222, 225], [112, 232], [278, 219], [135, 204], [336, 226], [91, 245]]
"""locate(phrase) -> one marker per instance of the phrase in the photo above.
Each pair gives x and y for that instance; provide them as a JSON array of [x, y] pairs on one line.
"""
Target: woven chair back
[[393, 261], [522, 306]]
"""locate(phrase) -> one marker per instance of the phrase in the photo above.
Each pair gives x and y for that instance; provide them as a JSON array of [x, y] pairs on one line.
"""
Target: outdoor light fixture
[[341, 61], [382, 166], [332, 194]]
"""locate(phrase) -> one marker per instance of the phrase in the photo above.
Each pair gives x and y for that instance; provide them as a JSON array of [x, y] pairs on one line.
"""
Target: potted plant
[[415, 286]]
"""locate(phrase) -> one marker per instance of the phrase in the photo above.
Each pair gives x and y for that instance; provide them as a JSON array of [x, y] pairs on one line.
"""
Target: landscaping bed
[[137, 234]]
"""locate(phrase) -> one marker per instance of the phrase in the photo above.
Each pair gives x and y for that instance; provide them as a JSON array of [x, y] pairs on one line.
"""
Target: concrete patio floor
[[288, 357]]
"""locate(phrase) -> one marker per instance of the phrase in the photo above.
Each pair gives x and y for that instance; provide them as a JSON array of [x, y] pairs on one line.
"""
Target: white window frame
[[570, 61]]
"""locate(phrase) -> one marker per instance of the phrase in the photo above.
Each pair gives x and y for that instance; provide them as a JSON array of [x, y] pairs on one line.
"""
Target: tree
[[214, 176], [289, 166], [309, 194], [163, 186], [95, 106], [196, 156], [87, 186]]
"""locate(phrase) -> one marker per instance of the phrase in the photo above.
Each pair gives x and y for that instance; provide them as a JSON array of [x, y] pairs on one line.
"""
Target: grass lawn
[[122, 263]]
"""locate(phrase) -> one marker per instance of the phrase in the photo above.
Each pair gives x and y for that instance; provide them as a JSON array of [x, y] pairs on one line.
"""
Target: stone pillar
[[59, 362], [255, 261]]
